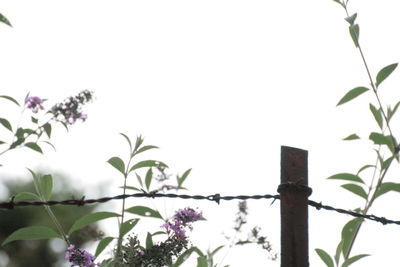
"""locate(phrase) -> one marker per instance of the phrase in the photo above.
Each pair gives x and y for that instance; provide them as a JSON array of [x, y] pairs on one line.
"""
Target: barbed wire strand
[[216, 197]]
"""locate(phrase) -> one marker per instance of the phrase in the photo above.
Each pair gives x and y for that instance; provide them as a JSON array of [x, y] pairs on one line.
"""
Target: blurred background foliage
[[42, 253]]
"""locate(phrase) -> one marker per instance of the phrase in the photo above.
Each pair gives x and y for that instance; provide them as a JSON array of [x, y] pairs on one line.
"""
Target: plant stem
[[373, 84], [49, 211], [57, 224], [122, 221], [123, 207], [382, 175], [1, 153], [368, 205]]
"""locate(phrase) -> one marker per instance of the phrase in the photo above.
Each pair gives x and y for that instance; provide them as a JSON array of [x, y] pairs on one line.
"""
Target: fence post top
[[294, 165]]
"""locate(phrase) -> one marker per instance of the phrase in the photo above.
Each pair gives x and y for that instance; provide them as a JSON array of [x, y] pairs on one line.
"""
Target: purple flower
[[83, 117], [187, 215], [182, 218], [34, 103], [79, 257], [69, 111], [176, 228]]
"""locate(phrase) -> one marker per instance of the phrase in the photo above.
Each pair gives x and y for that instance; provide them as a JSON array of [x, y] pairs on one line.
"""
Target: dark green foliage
[[158, 255], [38, 252]]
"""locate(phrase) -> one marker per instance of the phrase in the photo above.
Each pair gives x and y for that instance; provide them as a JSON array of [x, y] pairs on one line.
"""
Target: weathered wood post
[[294, 192]]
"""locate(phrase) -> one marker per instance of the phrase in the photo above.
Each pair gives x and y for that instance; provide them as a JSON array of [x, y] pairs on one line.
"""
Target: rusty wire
[[216, 197]]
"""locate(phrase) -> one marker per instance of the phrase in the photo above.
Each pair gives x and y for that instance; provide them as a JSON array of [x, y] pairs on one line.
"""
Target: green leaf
[[386, 163], [380, 139], [10, 98], [384, 73], [117, 163], [353, 93], [139, 179], [377, 115], [46, 186], [149, 241], [390, 112], [35, 181], [380, 159], [20, 132], [144, 211], [65, 126], [202, 261], [20, 138], [181, 179], [365, 167], [353, 259], [102, 245], [198, 251], [34, 120], [211, 254], [28, 132], [91, 218], [145, 148], [47, 129], [6, 124], [338, 251], [31, 233], [148, 163], [109, 263], [185, 255], [387, 187], [50, 144], [356, 189], [352, 137], [34, 146], [23, 196], [348, 233], [4, 20], [395, 108], [355, 33], [128, 226], [148, 178], [216, 250], [351, 19], [325, 257], [347, 177], [132, 188], [128, 140], [159, 233], [138, 143]]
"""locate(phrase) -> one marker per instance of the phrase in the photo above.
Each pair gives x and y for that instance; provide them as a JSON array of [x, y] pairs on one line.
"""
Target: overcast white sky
[[219, 86]]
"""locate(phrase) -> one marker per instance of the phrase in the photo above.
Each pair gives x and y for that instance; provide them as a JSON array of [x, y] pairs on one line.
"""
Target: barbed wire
[[216, 197], [371, 217]]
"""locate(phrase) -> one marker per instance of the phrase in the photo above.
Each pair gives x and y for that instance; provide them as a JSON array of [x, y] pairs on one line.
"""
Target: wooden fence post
[[294, 192]]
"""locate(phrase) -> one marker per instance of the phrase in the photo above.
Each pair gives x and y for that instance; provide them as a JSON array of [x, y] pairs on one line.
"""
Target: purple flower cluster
[[34, 103], [182, 219], [79, 257], [162, 253], [70, 110]]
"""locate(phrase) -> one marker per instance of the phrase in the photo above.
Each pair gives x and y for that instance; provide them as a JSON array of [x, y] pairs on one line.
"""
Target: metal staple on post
[[294, 192]]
